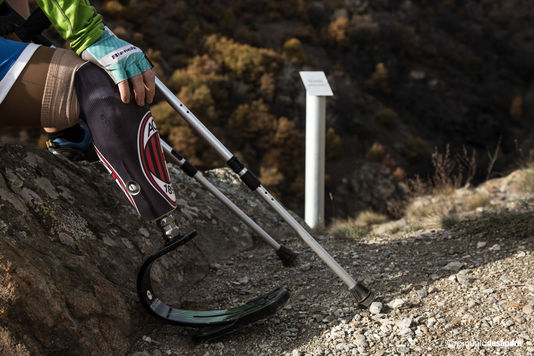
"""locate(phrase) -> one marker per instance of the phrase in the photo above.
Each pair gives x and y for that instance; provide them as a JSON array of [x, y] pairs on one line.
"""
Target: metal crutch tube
[[285, 254], [362, 294]]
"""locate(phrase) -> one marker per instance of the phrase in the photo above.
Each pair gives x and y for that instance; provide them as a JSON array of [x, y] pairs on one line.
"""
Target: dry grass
[[359, 227], [348, 229], [477, 200], [369, 218], [448, 221], [526, 183]]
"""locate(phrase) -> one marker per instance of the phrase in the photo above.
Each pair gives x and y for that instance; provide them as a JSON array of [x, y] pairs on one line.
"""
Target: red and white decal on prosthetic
[[117, 178], [152, 160]]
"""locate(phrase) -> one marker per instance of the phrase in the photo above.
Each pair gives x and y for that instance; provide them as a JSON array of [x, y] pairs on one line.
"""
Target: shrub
[[398, 174], [379, 80], [376, 153], [333, 144], [243, 61], [387, 118], [403, 38], [415, 147], [274, 145], [363, 29], [337, 31], [446, 179], [165, 117], [448, 221], [293, 50], [113, 8]]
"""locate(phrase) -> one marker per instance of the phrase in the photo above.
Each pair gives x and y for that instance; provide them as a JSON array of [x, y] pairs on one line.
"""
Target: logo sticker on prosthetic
[[152, 160]]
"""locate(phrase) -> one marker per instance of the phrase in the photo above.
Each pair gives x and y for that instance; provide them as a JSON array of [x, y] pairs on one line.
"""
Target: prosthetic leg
[[128, 144]]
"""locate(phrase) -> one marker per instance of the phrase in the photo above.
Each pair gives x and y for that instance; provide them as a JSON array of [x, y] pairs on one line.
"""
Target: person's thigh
[[43, 94]]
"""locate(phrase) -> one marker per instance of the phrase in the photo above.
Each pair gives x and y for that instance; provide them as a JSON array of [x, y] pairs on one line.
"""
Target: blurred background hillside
[[425, 90]]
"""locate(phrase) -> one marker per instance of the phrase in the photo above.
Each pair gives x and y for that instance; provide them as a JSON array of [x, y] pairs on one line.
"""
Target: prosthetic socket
[[127, 142]]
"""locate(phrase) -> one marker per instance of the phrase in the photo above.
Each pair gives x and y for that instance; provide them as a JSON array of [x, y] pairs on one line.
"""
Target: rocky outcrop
[[70, 246]]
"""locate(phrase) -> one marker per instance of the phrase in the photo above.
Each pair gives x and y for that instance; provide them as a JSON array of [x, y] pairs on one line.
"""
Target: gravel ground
[[464, 290]]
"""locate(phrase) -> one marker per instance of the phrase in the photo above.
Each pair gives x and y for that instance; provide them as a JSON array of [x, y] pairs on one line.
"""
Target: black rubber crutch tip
[[287, 256], [363, 295]]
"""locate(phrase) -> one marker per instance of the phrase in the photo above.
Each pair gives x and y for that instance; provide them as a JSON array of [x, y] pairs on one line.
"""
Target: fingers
[[149, 78], [138, 87], [143, 85], [124, 90]]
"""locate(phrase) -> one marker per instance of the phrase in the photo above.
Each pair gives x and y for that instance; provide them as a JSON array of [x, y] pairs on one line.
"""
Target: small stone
[[422, 293], [360, 340], [521, 254], [296, 353], [487, 291], [403, 349], [144, 232], [215, 266], [481, 244], [463, 279], [452, 278], [396, 303], [454, 266], [471, 304], [405, 331], [375, 308], [404, 323], [305, 267], [243, 280], [495, 247], [341, 346], [508, 322], [504, 278], [527, 309]]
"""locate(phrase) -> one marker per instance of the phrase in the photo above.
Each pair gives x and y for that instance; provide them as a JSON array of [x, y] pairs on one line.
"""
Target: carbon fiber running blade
[[255, 309], [274, 301]]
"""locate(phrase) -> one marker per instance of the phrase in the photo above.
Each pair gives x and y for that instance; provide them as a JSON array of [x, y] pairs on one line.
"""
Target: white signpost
[[317, 89]]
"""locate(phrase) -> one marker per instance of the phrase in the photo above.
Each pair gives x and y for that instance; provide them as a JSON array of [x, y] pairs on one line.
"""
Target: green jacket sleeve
[[75, 20]]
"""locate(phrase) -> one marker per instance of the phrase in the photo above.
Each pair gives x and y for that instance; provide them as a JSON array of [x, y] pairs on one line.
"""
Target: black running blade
[[253, 310], [256, 309]]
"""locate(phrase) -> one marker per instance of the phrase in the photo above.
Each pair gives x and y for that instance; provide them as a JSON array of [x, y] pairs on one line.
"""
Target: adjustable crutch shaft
[[286, 255], [363, 295]]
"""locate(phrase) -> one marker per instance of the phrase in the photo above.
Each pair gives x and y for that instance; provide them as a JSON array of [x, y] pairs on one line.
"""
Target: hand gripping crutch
[[362, 294], [286, 255]]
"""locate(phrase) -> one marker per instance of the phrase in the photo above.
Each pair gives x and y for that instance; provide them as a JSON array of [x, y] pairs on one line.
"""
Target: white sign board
[[316, 83]]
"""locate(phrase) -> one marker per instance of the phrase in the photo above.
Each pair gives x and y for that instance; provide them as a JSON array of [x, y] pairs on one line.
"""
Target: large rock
[[70, 246]]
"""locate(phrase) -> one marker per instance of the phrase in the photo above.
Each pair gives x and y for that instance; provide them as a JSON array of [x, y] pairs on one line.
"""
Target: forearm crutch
[[286, 255], [362, 294]]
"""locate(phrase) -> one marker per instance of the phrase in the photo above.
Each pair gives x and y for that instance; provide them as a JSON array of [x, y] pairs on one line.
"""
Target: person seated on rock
[[95, 81]]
